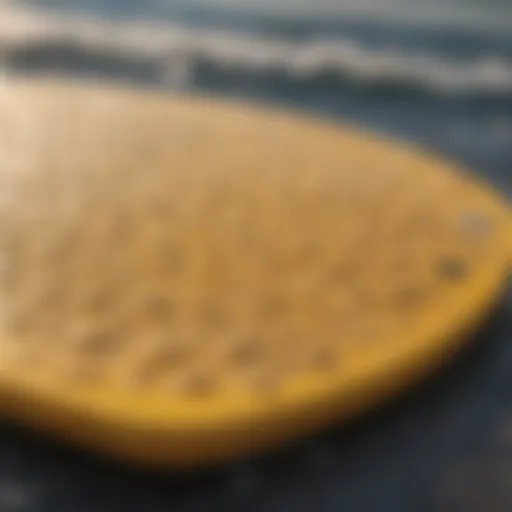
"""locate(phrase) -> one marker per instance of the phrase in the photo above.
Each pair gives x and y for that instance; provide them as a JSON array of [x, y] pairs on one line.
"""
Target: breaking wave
[[178, 49]]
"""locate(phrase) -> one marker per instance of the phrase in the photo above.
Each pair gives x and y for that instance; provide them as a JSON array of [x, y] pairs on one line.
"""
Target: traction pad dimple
[[175, 250]]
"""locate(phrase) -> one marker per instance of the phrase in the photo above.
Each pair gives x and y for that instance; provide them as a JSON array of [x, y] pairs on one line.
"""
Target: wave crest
[[180, 48]]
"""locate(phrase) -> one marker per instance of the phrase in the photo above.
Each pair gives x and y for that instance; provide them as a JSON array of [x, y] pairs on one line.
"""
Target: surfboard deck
[[189, 279]]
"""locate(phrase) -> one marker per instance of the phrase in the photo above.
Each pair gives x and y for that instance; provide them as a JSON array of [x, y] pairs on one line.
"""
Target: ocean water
[[437, 73]]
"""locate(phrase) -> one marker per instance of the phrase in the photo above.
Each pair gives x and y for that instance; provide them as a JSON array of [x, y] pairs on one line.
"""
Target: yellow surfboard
[[185, 279]]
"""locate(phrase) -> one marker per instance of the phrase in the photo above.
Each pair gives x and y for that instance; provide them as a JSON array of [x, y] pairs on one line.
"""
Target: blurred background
[[437, 73]]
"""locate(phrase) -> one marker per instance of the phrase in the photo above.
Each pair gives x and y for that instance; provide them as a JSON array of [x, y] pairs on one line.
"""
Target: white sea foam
[[177, 49]]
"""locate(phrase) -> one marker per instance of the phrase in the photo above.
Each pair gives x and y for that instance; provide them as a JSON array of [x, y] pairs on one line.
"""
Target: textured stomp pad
[[185, 280]]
